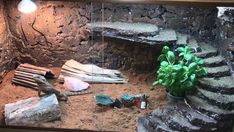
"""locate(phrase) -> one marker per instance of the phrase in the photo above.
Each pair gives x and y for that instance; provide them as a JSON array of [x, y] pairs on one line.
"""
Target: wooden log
[[25, 78], [43, 73], [32, 111], [24, 81], [48, 73], [24, 84], [24, 73], [35, 67]]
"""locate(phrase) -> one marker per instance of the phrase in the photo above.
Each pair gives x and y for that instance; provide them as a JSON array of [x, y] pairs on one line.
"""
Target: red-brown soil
[[81, 111]]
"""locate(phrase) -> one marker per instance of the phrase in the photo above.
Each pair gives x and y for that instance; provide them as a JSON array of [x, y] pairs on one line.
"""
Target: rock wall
[[196, 21], [225, 30], [57, 32], [225, 34], [7, 56], [52, 34]]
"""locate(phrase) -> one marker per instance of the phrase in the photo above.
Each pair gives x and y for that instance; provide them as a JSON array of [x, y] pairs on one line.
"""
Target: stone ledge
[[124, 28], [213, 111], [133, 32], [224, 85], [223, 101], [215, 61], [218, 71]]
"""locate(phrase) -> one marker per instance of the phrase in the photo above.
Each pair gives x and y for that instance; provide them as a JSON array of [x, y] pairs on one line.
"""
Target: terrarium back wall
[[7, 49], [57, 31]]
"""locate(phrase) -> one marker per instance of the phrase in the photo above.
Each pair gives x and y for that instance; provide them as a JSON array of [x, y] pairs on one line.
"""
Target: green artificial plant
[[179, 70]]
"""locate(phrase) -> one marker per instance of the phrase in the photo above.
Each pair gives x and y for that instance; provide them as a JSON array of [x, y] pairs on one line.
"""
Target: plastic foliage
[[102, 99], [179, 70]]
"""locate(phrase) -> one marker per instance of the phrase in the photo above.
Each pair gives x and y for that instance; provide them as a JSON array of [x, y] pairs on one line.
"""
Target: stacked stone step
[[214, 96], [210, 108]]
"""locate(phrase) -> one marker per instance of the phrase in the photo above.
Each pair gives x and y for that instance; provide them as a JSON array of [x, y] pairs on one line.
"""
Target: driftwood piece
[[32, 111], [91, 73]]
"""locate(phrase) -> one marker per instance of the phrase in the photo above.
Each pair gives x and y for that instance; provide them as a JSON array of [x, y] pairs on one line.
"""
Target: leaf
[[181, 63], [192, 67], [188, 57], [181, 54], [189, 84], [203, 71], [177, 67], [171, 57], [187, 50], [162, 57], [181, 49], [200, 61], [185, 68], [165, 49], [164, 63], [193, 77]]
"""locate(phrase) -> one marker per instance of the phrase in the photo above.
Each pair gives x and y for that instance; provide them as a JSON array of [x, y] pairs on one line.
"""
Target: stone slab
[[152, 124], [174, 119], [224, 85], [215, 61], [32, 111], [182, 39], [219, 71], [198, 119], [193, 44], [223, 101], [211, 110], [207, 51], [166, 35], [134, 32], [124, 28]]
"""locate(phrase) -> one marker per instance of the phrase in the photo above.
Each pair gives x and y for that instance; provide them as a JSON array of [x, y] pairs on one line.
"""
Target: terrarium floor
[[81, 111]]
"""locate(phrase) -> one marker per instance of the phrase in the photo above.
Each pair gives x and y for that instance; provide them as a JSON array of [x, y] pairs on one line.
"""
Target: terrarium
[[146, 66]]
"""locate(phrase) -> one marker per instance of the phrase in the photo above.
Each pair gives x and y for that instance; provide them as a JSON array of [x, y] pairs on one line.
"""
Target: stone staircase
[[210, 108]]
